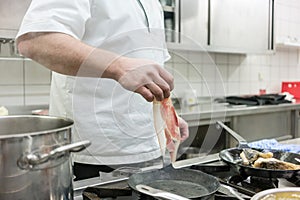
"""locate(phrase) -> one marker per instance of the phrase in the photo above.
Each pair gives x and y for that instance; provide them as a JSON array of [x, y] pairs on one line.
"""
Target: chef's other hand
[[145, 77], [184, 129]]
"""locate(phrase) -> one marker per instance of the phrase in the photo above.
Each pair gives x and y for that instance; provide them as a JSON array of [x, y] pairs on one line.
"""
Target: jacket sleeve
[[65, 16]]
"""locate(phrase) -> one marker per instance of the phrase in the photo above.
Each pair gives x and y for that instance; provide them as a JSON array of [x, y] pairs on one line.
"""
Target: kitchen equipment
[[188, 183], [35, 157], [232, 157], [3, 111], [292, 88], [288, 191], [232, 191], [159, 193], [196, 161], [253, 100]]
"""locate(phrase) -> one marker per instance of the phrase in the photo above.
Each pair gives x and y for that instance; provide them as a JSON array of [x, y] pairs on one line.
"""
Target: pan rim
[[259, 169], [216, 182]]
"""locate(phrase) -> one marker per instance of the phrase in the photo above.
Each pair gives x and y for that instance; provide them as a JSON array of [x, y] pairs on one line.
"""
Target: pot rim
[[26, 134], [261, 194]]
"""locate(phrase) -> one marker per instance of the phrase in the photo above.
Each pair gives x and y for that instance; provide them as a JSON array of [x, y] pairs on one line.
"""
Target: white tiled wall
[[27, 83], [23, 82], [233, 74], [288, 20]]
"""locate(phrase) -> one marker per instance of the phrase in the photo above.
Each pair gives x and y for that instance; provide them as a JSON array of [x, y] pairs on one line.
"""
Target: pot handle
[[30, 160]]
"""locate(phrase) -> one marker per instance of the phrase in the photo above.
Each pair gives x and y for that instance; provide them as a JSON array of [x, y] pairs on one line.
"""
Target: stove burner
[[295, 180]]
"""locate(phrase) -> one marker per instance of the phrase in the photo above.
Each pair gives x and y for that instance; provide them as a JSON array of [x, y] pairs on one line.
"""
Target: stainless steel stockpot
[[35, 160]]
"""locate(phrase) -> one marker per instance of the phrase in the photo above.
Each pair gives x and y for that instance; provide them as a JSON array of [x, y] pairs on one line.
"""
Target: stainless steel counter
[[292, 141], [25, 110], [210, 111], [280, 121]]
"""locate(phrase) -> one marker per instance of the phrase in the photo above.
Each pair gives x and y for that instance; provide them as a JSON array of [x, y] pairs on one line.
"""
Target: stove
[[230, 180]]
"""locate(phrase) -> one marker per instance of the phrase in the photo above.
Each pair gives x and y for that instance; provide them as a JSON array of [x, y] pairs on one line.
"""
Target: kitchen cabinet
[[233, 26], [241, 26], [296, 123], [258, 126], [194, 23], [171, 19]]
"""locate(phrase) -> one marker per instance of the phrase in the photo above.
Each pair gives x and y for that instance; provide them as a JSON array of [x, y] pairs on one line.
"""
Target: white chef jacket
[[119, 123]]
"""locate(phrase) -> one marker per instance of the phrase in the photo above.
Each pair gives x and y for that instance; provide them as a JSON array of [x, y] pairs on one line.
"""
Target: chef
[[107, 58]]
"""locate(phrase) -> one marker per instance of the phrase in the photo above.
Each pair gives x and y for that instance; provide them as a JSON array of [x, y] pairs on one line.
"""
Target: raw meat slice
[[167, 127]]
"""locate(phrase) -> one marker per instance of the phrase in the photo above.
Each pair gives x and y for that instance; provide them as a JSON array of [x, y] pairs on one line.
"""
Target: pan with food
[[259, 162]]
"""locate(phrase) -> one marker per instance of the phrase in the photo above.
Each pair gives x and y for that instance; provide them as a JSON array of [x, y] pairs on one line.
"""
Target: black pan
[[232, 157], [188, 183]]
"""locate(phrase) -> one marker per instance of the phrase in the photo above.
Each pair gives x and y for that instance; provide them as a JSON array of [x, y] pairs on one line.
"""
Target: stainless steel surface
[[291, 141], [194, 14], [248, 29], [25, 110], [232, 191], [205, 114], [22, 135], [104, 179], [267, 125], [242, 142], [79, 186], [245, 29], [271, 121], [32, 160], [296, 121], [196, 161], [171, 20], [264, 193], [158, 193]]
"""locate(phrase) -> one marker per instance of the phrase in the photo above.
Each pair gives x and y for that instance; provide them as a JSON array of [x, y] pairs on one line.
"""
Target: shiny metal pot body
[[35, 158]]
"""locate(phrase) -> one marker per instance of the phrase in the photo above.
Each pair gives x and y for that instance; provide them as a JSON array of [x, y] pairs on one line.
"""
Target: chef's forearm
[[66, 55]]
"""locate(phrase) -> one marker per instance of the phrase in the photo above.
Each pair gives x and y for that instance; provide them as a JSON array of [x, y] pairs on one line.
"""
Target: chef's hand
[[184, 129], [144, 77]]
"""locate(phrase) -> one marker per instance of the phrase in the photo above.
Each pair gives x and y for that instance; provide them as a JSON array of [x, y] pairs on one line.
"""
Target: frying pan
[[232, 157], [187, 183]]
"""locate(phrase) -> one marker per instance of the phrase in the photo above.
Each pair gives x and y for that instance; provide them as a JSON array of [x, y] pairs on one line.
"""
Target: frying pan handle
[[146, 189], [240, 139]]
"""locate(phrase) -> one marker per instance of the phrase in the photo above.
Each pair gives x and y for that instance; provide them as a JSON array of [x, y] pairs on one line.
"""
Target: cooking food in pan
[[282, 195], [167, 127], [249, 156], [286, 193], [232, 156], [259, 159]]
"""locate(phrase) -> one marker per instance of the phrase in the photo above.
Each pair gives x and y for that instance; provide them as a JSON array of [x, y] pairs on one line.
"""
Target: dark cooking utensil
[[188, 183], [232, 157]]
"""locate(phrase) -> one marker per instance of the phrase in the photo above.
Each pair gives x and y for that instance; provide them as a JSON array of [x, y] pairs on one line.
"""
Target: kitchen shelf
[[295, 45], [16, 58], [168, 9]]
